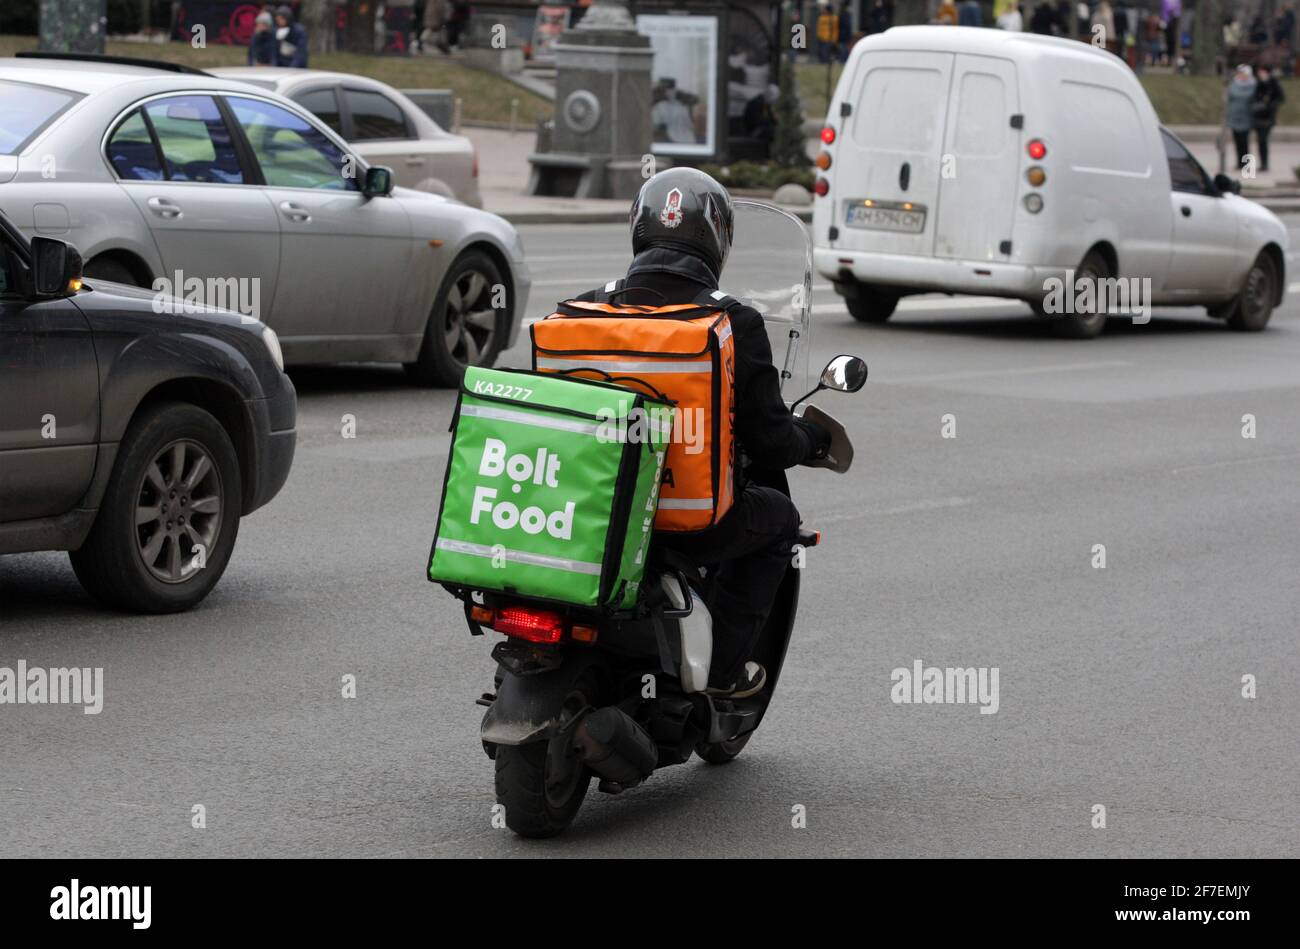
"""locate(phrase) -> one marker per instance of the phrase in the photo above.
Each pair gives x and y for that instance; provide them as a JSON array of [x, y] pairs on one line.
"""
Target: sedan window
[[323, 104], [374, 116], [194, 140], [25, 110], [293, 153], [1185, 172], [132, 152]]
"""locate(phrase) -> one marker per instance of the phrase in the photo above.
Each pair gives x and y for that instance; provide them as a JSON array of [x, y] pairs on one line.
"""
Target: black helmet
[[685, 209]]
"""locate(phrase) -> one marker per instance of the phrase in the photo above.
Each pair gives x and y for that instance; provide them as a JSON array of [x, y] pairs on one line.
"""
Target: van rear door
[[979, 174], [886, 174]]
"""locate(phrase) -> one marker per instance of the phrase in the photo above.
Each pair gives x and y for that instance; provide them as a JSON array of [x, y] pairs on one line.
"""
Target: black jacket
[[1268, 99], [765, 429]]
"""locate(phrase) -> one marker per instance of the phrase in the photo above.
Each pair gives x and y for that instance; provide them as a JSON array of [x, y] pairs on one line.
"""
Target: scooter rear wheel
[[542, 784], [721, 752]]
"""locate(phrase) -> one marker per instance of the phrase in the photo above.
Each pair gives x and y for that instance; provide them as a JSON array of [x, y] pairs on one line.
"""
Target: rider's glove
[[818, 436]]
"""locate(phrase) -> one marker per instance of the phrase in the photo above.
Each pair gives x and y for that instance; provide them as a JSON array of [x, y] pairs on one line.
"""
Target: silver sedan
[[381, 124], [174, 179]]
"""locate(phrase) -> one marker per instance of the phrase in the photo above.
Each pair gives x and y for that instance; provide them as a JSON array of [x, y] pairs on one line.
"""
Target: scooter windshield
[[770, 269]]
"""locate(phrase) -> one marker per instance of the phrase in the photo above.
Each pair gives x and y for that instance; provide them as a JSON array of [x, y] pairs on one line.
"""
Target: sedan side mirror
[[56, 267], [378, 183], [842, 374], [1226, 185]]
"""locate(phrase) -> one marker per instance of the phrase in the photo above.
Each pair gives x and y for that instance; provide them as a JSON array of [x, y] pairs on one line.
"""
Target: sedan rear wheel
[[468, 324]]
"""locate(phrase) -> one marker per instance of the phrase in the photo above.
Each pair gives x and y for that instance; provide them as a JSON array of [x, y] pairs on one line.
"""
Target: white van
[[977, 161]]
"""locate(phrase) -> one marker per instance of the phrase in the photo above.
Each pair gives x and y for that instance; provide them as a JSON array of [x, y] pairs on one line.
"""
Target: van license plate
[[904, 217]]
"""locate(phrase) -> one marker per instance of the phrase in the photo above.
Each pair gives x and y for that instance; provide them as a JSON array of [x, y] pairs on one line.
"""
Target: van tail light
[[828, 135], [1036, 149], [536, 626], [823, 161], [475, 172], [822, 187]]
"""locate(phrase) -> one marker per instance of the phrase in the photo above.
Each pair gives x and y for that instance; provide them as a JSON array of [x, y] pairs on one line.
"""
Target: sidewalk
[[504, 170]]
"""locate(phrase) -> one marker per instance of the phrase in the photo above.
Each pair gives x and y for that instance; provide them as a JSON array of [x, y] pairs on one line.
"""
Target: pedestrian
[[1011, 20], [291, 39], [970, 14], [1268, 99], [1153, 31], [457, 23], [882, 17], [828, 32], [1172, 11], [261, 46], [1284, 26], [846, 31], [1040, 21], [1102, 25], [1238, 109], [946, 14]]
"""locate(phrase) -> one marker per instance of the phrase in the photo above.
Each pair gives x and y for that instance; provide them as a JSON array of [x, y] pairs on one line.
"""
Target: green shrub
[[753, 174]]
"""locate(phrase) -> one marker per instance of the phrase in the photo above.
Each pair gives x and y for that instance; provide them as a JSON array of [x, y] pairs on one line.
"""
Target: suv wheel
[[464, 329], [167, 523]]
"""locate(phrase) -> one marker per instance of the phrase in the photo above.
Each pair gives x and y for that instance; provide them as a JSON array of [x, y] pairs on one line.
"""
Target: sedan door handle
[[294, 212], [1187, 212], [164, 208]]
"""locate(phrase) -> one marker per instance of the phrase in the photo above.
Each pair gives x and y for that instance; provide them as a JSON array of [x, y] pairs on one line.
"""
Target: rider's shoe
[[752, 679]]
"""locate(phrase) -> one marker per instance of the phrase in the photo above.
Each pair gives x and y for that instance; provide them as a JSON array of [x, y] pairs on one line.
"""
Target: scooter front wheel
[[720, 752]]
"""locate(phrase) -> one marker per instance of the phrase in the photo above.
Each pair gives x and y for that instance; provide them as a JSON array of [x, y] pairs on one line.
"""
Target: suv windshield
[[25, 110]]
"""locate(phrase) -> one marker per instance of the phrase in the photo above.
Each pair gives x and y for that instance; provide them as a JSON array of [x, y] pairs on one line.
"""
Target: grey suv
[[133, 439]]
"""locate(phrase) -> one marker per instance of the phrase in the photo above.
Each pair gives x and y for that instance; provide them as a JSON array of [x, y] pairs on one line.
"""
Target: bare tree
[[1207, 37], [359, 36], [318, 18], [909, 12]]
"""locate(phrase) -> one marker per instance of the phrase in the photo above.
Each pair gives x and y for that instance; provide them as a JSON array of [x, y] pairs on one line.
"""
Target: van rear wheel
[[1082, 325], [869, 304]]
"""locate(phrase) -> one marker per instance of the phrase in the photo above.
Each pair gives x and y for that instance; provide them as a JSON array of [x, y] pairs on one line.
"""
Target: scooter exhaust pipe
[[616, 748]]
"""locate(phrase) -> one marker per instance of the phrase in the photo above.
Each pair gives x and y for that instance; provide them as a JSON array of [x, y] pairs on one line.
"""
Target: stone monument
[[602, 129]]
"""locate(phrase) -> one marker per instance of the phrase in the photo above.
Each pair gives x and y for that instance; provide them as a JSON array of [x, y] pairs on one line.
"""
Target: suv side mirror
[[1226, 185], [56, 267], [379, 181]]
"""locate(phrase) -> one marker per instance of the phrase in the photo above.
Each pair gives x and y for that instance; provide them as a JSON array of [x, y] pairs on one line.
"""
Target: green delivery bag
[[551, 487]]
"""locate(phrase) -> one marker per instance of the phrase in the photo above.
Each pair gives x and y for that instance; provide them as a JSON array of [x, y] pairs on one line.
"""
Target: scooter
[[581, 694]]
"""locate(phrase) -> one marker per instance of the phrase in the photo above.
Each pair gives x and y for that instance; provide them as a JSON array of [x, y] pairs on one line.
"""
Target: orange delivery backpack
[[682, 352]]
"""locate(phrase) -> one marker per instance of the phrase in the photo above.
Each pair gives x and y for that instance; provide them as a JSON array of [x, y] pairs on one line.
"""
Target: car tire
[[150, 564], [463, 329], [1250, 310], [869, 304], [1075, 325], [106, 268]]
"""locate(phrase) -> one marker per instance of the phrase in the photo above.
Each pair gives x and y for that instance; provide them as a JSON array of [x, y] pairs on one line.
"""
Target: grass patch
[[485, 97], [1178, 100]]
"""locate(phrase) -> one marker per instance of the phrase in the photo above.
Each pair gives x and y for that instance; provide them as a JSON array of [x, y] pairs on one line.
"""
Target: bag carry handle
[[615, 379], [614, 293]]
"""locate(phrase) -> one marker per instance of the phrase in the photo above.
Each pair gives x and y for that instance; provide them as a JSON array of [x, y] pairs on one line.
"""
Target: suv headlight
[[273, 347]]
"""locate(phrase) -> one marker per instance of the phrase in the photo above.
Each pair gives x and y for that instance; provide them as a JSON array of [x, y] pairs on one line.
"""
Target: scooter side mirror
[[842, 374]]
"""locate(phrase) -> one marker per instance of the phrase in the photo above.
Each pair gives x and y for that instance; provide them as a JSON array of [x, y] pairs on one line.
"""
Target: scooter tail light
[[536, 626]]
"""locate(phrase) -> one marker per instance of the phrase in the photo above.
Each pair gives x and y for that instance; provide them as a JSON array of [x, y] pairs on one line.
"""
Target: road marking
[[910, 507], [997, 373], [1237, 461], [1293, 288]]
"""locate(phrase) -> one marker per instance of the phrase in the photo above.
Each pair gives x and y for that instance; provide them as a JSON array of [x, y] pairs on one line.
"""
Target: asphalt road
[[1119, 687]]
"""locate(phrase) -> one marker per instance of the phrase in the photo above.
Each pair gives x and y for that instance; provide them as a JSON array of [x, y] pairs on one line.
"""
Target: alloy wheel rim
[[178, 507], [1258, 292], [469, 325]]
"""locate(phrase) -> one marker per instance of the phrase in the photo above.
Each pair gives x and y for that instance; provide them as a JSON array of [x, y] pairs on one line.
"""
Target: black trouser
[[1242, 141], [1261, 133], [752, 544]]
